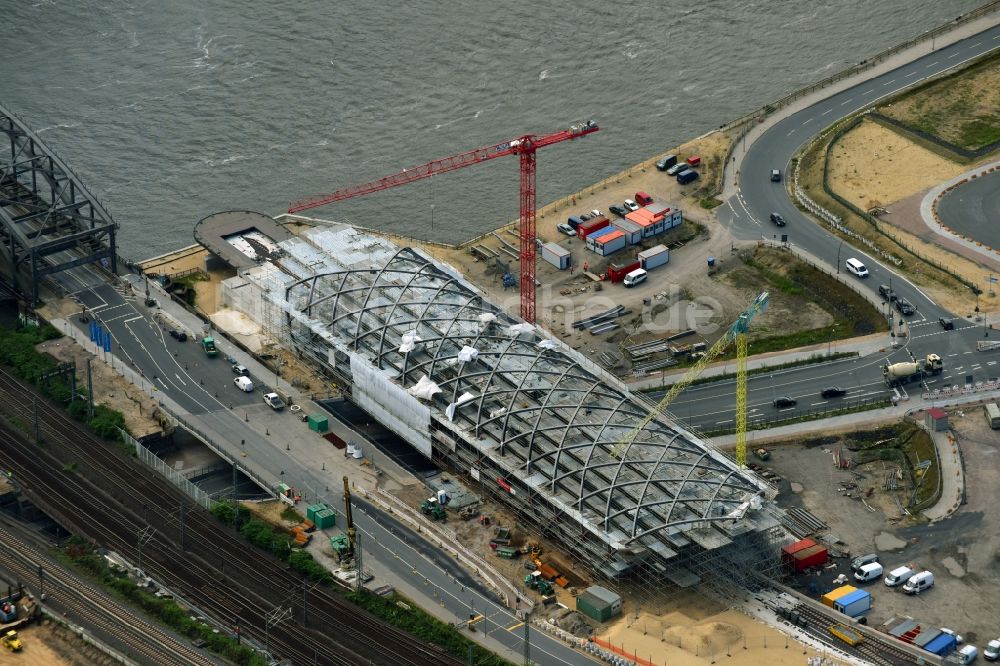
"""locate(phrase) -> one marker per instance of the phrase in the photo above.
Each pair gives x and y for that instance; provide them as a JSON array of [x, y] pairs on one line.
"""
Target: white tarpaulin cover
[[424, 388], [410, 341], [468, 354], [399, 411], [548, 344], [520, 329], [487, 318], [462, 399]]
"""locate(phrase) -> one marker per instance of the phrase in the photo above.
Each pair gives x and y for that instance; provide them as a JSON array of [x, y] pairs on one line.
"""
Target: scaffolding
[[528, 418]]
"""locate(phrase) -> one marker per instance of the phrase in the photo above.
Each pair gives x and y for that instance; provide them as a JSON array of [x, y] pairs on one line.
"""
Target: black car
[[784, 401], [885, 292], [946, 324], [618, 210], [666, 162], [905, 307], [777, 219], [833, 392], [180, 336]]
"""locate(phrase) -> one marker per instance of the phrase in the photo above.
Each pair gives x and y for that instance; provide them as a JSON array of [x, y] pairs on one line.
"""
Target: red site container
[[592, 225], [809, 557]]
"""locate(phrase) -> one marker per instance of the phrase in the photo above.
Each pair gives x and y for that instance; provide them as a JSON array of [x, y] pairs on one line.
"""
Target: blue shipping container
[[942, 646], [854, 604]]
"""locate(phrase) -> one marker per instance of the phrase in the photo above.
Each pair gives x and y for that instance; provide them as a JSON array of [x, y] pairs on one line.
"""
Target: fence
[[937, 140], [172, 475]]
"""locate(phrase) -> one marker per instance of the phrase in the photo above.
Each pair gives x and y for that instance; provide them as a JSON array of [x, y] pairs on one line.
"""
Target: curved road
[[710, 406], [973, 209]]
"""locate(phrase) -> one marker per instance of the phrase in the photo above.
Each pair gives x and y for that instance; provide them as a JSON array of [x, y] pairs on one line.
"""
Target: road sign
[[992, 280]]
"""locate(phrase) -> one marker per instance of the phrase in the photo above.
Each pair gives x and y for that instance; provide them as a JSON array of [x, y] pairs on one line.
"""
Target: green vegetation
[[421, 624], [17, 352], [183, 286], [960, 109], [291, 515], [407, 617], [82, 555], [709, 203]]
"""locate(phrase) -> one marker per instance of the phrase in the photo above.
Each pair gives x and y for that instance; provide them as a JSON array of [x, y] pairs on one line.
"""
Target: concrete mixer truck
[[896, 374]]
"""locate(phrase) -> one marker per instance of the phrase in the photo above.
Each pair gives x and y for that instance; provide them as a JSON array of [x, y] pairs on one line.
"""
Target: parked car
[[784, 401], [666, 162], [778, 220], [180, 336], [905, 307], [240, 370], [631, 205], [677, 168], [992, 651], [946, 324], [596, 213], [643, 199], [887, 293], [833, 392], [585, 217], [862, 560], [274, 401], [775, 175], [566, 229], [618, 210]]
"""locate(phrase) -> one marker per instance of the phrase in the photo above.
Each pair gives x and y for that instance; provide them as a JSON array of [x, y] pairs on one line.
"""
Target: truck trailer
[[897, 374]]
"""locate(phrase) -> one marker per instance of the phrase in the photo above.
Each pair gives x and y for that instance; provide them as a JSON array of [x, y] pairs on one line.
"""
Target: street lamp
[[838, 256], [830, 341]]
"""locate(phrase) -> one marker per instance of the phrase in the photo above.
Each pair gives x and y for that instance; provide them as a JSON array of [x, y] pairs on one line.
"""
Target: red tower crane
[[524, 147]]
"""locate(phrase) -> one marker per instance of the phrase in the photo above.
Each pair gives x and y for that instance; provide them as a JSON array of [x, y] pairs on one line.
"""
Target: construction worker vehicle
[[762, 454], [897, 374], [208, 344], [431, 507], [12, 642]]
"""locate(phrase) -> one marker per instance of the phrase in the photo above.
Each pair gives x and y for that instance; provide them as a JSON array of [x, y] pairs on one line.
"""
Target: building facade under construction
[[526, 418]]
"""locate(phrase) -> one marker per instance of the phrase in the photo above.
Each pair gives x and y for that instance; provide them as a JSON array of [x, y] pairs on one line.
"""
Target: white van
[[638, 276], [856, 267], [898, 576], [967, 654], [869, 572], [919, 582], [243, 383]]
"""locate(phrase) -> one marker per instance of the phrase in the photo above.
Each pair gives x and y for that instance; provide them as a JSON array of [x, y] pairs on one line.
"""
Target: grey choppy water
[[170, 111]]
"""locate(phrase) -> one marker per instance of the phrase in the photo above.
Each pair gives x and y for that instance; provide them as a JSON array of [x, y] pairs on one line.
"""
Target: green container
[[325, 518], [318, 422], [313, 510]]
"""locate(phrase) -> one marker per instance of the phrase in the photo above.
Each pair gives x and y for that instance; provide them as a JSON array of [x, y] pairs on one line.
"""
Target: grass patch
[[709, 203], [81, 555], [908, 446], [291, 515]]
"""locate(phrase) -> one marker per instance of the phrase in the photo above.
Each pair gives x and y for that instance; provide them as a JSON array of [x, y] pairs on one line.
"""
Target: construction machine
[[12, 642]]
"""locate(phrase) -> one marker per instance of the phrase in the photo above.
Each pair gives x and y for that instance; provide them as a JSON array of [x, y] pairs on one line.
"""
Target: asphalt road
[[973, 209], [204, 388]]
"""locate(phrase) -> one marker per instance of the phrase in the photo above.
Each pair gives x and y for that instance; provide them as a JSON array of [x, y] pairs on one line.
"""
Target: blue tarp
[[942, 646]]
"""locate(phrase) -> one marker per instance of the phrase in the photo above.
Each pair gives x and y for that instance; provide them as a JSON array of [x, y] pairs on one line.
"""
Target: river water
[[170, 111]]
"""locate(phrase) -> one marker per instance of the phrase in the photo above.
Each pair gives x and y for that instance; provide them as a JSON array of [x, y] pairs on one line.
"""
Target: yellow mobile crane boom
[[738, 333]]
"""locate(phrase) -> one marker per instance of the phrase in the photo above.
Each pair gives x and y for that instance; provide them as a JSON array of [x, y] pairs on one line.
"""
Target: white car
[[596, 213], [274, 401], [992, 651], [566, 229], [631, 205], [677, 168]]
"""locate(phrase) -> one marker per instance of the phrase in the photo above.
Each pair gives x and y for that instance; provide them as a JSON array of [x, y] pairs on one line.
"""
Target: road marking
[[721, 422], [954, 55], [953, 354], [179, 379], [992, 363], [976, 44], [909, 75], [515, 626], [847, 101], [889, 82], [968, 352], [826, 112], [822, 402], [132, 319], [977, 367], [808, 121], [789, 409], [790, 133], [868, 91], [931, 65], [959, 368]]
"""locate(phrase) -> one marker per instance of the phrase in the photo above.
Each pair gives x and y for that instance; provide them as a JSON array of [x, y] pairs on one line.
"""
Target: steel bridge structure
[[49, 222]]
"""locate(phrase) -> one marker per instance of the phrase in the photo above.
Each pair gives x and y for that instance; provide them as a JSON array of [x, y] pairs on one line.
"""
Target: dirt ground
[[694, 635], [873, 166], [110, 388], [48, 644], [962, 109]]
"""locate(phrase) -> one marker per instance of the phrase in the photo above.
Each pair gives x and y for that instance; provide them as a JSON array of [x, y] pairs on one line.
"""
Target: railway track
[[878, 652], [96, 491], [145, 642]]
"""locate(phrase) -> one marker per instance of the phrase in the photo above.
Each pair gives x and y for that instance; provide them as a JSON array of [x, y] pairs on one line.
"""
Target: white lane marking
[[977, 367], [790, 409], [968, 352], [972, 46], [826, 112], [955, 354], [179, 379], [889, 82], [959, 368], [992, 363], [808, 121], [868, 91], [726, 421], [132, 319], [931, 65], [955, 54], [848, 101], [822, 402], [906, 76], [790, 133]]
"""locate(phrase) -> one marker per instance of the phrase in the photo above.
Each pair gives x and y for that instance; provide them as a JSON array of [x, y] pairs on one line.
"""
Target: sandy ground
[[47, 644], [681, 639], [873, 166]]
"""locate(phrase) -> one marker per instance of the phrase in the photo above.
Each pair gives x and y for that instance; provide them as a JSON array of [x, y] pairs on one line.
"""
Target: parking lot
[[962, 551]]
